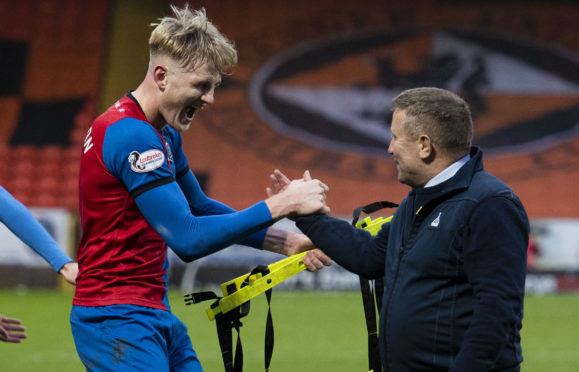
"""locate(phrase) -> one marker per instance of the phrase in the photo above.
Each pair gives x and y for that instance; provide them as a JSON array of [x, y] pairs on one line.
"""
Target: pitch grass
[[314, 331]]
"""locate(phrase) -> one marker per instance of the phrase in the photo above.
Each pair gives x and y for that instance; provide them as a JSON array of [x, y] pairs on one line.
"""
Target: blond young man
[[139, 196]]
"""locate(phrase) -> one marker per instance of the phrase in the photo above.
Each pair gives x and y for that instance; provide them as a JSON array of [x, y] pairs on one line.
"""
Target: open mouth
[[190, 112]]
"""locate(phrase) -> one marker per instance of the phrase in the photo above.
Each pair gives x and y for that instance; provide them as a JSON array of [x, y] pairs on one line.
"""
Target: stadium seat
[[52, 153], [21, 188], [21, 168], [24, 153], [44, 200]]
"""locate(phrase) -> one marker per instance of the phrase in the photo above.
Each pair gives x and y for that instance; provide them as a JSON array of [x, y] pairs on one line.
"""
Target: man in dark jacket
[[454, 254]]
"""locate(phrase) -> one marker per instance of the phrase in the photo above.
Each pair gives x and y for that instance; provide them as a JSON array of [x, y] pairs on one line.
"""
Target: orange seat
[[49, 185], [51, 153], [25, 153], [50, 169], [22, 168], [44, 200]]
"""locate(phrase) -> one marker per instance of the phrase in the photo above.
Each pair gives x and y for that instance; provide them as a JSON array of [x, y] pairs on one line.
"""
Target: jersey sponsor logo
[[146, 161]]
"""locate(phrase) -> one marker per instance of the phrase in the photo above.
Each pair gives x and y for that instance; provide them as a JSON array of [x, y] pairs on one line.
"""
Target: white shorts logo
[[147, 161]]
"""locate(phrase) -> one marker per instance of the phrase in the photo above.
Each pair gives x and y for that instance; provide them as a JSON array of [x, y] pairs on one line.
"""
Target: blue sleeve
[[190, 236], [352, 248], [495, 265], [202, 205], [134, 152], [27, 228]]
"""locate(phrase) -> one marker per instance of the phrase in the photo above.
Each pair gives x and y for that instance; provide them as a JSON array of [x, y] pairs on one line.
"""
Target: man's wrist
[[278, 208]]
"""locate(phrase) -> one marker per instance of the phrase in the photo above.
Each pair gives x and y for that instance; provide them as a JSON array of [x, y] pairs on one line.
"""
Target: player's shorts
[[132, 338]]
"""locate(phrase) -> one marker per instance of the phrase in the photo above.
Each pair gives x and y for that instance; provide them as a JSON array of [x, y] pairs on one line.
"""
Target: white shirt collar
[[448, 172]]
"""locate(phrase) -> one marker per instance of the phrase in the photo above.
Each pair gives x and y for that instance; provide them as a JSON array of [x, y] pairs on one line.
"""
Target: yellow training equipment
[[373, 226], [235, 295]]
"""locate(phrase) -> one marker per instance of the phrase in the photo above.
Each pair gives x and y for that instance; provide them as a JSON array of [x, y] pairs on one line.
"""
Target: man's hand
[[10, 330], [69, 271], [279, 182], [297, 197], [315, 260], [289, 243]]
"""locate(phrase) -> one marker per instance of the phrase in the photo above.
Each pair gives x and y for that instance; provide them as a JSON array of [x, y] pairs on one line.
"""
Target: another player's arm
[[27, 228], [11, 330]]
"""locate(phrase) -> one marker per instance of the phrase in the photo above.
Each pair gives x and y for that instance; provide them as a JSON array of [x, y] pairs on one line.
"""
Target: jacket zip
[[400, 254]]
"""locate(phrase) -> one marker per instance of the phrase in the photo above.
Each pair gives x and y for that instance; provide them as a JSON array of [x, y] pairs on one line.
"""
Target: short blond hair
[[191, 39]]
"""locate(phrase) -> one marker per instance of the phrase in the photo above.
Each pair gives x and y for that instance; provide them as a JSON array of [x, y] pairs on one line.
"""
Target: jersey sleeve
[[202, 205], [199, 202], [190, 236], [26, 227], [135, 153]]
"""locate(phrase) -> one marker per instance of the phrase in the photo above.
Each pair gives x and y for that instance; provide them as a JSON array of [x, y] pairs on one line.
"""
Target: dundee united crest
[[326, 103]]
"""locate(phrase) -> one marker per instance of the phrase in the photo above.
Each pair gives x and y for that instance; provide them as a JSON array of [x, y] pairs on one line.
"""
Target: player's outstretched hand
[[11, 330], [279, 182], [298, 197]]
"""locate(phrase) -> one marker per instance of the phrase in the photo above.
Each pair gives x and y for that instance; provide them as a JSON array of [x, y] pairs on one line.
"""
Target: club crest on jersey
[[146, 161]]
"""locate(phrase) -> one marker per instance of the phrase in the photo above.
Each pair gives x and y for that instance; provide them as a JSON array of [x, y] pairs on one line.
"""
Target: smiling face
[[185, 92], [406, 151]]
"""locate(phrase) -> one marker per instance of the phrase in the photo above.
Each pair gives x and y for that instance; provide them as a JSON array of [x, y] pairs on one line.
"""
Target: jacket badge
[[436, 221]]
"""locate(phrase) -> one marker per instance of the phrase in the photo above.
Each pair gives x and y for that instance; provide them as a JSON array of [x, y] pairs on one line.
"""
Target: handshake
[[292, 198]]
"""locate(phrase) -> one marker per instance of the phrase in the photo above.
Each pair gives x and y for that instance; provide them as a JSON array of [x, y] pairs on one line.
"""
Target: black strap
[[268, 332], [238, 367], [232, 319], [369, 297], [372, 292], [225, 324]]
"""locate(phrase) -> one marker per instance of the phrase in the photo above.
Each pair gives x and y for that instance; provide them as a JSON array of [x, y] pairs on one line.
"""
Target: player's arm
[[199, 202], [201, 205], [190, 236], [134, 152], [271, 239], [27, 228], [166, 209]]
